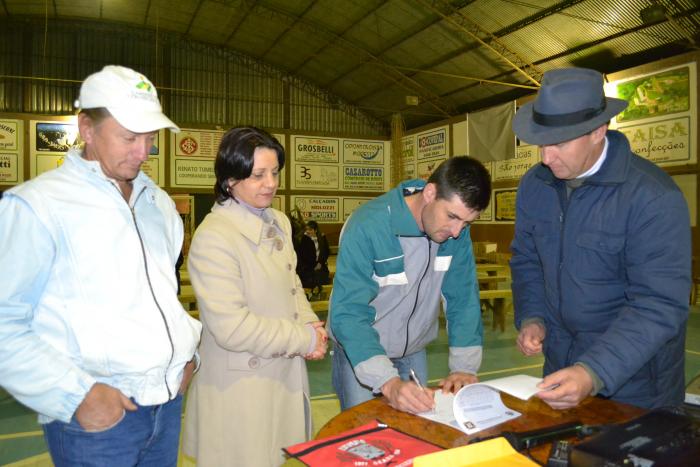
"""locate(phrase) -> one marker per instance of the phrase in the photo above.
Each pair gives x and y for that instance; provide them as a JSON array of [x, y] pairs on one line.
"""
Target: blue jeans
[[147, 437], [351, 392]]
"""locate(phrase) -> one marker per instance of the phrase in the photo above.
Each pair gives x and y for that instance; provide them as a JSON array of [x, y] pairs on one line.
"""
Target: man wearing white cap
[[92, 335], [601, 253]]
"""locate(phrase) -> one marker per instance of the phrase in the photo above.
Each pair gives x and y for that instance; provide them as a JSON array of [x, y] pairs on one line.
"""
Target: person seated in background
[[251, 396], [306, 258], [313, 258]]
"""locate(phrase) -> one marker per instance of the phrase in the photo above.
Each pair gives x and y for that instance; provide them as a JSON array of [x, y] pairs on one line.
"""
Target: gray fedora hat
[[569, 104]]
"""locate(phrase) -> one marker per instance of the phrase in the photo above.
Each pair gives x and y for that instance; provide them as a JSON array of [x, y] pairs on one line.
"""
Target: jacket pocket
[[601, 242], [600, 256]]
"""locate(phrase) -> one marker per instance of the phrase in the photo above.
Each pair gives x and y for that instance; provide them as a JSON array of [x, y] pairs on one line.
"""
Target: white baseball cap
[[128, 96]]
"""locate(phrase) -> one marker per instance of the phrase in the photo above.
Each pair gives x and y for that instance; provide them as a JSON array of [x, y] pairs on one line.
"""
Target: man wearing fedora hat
[[601, 253], [92, 335]]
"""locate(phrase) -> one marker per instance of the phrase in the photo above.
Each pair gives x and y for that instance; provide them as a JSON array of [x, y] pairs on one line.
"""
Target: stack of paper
[[478, 406]]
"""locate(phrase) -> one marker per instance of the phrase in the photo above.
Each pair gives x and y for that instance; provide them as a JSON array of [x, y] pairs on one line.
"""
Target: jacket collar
[[92, 169], [402, 221], [247, 223], [613, 171]]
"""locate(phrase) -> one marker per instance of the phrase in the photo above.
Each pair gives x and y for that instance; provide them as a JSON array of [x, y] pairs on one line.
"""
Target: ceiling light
[[653, 14]]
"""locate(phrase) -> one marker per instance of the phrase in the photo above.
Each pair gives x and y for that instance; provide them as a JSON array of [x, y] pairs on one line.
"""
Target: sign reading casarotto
[[363, 178]]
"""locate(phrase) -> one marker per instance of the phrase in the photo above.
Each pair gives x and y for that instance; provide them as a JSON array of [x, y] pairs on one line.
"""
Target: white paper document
[[479, 406]]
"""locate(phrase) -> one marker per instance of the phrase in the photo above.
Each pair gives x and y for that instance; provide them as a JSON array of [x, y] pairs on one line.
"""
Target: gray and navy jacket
[[607, 270], [388, 283]]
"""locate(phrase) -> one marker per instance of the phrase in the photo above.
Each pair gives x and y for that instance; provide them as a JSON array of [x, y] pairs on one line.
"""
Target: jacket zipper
[[415, 303], [564, 202], [150, 287]]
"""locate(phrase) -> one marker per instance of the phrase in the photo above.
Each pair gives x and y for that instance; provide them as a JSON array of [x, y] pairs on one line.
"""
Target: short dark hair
[[465, 177], [235, 156], [97, 114]]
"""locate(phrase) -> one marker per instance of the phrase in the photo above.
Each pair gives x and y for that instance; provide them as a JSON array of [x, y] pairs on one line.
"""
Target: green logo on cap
[[144, 85]]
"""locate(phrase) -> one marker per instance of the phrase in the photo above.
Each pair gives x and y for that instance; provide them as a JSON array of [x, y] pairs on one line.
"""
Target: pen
[[416, 380]]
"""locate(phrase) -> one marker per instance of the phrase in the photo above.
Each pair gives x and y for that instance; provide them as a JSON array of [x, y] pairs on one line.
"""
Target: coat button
[[254, 362], [294, 291], [289, 267], [296, 315], [278, 243], [271, 232]]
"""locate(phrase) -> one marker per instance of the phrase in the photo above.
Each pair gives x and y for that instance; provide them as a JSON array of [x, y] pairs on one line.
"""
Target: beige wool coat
[[250, 397]]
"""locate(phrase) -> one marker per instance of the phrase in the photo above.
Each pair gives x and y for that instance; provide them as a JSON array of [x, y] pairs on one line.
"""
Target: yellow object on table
[[496, 452]]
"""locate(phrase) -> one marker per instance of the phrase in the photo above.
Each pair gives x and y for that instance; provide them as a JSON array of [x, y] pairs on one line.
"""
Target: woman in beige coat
[[250, 397]]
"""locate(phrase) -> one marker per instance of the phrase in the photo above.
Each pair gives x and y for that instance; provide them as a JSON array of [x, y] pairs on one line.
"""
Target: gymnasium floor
[[22, 444]]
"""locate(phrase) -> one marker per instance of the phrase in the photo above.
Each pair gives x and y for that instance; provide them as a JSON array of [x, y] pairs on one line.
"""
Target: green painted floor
[[22, 444]]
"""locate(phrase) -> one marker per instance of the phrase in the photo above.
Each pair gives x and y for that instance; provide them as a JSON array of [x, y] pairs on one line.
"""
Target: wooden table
[[536, 414]]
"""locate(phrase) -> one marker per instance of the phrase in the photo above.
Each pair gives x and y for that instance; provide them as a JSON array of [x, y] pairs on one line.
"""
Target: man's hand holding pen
[[408, 396]]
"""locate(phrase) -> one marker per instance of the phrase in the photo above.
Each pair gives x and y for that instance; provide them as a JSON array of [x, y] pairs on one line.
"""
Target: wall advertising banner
[[49, 141], [193, 173], [433, 143], [487, 214], [363, 152], [425, 168], [317, 164], [363, 178], [318, 150], [661, 118], [197, 143], [278, 203], [11, 152], [513, 169], [192, 158], [318, 208], [504, 205], [408, 157], [316, 177], [350, 203], [10, 134], [280, 137]]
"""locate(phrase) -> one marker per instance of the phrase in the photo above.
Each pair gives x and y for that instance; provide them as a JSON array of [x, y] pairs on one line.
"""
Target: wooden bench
[[498, 307], [187, 297]]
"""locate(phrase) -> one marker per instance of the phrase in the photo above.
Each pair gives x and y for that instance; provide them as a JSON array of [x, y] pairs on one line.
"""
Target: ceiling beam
[[460, 21], [248, 7], [637, 29], [288, 28], [315, 53], [194, 17], [395, 75], [407, 36], [539, 15], [148, 11]]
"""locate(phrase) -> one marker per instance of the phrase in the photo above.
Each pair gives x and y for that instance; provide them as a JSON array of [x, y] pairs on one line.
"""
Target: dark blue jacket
[[608, 271]]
